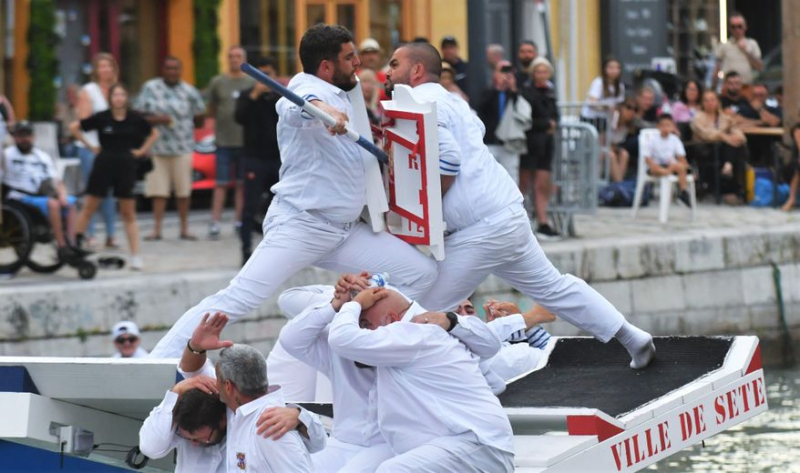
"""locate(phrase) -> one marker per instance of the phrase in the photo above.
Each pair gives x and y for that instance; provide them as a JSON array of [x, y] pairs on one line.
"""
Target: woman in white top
[[605, 93], [92, 99]]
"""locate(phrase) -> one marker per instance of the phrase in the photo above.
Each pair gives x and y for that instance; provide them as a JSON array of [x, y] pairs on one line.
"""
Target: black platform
[[583, 372]]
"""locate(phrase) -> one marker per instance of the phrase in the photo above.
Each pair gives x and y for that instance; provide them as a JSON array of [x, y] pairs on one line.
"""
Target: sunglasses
[[122, 340]]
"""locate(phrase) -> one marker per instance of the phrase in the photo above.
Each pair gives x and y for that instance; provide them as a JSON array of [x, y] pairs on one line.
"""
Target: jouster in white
[[522, 347], [314, 217], [435, 409], [488, 229]]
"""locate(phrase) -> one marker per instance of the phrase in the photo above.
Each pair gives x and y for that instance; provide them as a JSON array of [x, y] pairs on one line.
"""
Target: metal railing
[[570, 113], [575, 178]]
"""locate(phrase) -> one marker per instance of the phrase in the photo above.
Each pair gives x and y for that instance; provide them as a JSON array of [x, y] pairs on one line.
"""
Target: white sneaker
[[136, 263], [213, 230]]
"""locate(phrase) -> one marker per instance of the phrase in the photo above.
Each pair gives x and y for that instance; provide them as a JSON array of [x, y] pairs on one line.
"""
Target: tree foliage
[[42, 60], [206, 43]]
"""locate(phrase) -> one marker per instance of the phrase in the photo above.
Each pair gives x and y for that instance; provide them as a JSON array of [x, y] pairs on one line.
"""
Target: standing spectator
[[491, 108], [7, 118], [710, 125], [527, 52], [605, 92], [66, 114], [369, 52], [124, 137], [29, 175], [126, 339], [665, 156], [371, 90], [172, 105], [684, 110], [222, 92], [536, 166], [624, 139], [450, 55], [740, 54], [92, 99], [448, 81], [255, 112], [494, 54]]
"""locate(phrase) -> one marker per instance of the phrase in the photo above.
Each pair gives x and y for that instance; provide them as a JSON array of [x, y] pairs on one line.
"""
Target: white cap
[[124, 327], [369, 44]]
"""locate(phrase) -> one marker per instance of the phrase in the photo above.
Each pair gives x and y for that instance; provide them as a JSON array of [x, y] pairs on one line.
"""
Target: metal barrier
[[574, 175], [570, 112]]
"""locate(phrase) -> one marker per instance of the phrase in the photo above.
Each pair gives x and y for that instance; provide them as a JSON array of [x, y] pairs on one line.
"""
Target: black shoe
[[546, 232], [684, 197]]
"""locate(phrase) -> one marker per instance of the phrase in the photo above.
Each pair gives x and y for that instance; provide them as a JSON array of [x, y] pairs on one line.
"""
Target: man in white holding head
[[126, 339], [435, 408], [314, 218], [488, 230]]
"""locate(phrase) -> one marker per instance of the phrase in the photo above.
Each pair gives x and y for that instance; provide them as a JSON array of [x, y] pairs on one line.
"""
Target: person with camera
[[125, 139]]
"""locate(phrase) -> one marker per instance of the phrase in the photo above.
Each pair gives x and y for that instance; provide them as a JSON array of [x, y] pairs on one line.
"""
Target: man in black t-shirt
[[255, 111]]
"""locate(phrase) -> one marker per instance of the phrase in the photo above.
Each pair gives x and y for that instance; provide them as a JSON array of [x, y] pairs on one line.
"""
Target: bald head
[[414, 64], [384, 312]]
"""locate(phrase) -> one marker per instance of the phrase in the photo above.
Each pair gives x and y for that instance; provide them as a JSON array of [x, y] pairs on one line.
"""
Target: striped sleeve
[[449, 153], [538, 337]]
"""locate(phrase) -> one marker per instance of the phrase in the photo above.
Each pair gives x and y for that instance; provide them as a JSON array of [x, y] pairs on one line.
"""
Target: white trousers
[[292, 241], [450, 454], [505, 246], [348, 458], [510, 161]]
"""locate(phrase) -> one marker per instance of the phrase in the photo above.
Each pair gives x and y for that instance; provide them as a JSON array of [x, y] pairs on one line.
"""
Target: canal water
[[769, 442]]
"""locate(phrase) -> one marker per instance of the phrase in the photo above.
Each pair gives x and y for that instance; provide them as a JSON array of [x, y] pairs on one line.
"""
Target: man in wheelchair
[[30, 177]]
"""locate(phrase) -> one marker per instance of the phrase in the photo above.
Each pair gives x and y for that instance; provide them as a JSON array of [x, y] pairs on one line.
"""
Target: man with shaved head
[[487, 227], [434, 406]]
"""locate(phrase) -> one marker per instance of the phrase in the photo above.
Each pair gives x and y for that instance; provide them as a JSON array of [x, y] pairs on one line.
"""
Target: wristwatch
[[453, 318]]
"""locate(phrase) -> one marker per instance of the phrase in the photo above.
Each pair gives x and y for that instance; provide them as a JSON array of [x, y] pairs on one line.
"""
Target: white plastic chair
[[665, 182]]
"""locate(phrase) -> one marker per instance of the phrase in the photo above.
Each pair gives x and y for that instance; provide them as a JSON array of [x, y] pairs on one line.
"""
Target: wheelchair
[[26, 239]]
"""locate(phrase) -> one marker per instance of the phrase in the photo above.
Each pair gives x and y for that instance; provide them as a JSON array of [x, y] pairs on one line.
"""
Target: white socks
[[638, 343]]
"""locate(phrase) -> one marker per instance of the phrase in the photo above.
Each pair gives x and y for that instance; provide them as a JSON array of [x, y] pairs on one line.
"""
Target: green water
[[769, 442]]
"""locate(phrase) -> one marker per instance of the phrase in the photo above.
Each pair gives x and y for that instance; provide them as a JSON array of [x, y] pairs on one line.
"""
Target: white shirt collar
[[273, 398], [302, 76]]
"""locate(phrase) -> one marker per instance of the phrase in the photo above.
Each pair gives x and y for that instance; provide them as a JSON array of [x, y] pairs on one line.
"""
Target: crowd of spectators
[[714, 128]]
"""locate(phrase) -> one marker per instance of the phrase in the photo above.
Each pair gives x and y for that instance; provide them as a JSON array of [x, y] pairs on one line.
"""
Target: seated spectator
[[732, 98], [448, 81], [126, 340], [664, 156], [684, 110], [624, 140], [756, 112], [647, 110], [711, 125], [30, 176], [795, 166]]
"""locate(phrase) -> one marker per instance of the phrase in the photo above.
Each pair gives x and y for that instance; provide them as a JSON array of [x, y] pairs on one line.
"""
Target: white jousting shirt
[[429, 384], [522, 349], [355, 410], [157, 438], [320, 173], [483, 187]]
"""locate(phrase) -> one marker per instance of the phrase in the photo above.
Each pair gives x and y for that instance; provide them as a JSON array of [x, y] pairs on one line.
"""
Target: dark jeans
[[259, 176]]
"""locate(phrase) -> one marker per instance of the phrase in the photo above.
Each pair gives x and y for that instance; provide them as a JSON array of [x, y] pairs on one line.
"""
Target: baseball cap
[[449, 41], [23, 126], [126, 327], [369, 44]]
